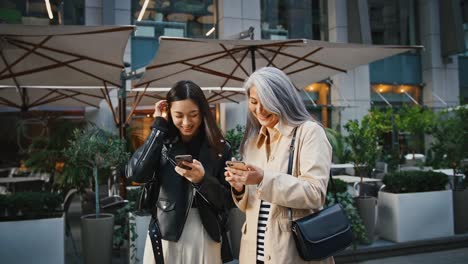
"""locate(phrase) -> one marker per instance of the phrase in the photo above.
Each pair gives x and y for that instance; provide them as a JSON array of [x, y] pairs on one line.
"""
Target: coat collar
[[283, 129]]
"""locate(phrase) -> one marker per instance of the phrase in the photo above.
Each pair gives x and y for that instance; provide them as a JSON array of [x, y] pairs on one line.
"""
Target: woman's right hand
[[239, 187], [160, 109]]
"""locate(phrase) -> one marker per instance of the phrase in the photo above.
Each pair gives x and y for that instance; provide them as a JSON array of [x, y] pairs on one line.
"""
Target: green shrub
[[415, 181], [234, 137], [30, 205], [347, 202], [340, 186]]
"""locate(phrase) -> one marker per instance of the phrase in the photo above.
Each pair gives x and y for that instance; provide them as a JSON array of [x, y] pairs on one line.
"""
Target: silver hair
[[278, 95]]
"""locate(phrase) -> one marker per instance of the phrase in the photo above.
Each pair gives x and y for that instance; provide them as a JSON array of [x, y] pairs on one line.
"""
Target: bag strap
[[290, 165]]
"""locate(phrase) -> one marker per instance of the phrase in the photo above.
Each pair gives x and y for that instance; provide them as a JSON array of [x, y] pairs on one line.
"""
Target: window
[[394, 22], [34, 12], [288, 19], [177, 18]]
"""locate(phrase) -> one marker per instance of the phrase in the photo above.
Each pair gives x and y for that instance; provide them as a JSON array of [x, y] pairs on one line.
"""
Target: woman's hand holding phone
[[193, 171], [238, 175]]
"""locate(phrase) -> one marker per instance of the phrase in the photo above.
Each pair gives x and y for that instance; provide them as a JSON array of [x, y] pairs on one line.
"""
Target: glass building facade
[[175, 18], [34, 12]]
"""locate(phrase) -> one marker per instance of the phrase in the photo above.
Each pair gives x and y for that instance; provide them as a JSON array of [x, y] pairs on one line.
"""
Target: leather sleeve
[[215, 188], [144, 161]]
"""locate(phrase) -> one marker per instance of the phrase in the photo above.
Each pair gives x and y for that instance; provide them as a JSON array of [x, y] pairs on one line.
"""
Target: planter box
[[415, 216], [460, 211], [137, 247], [39, 241]]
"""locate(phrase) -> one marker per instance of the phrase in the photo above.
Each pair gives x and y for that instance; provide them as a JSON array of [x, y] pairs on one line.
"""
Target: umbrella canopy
[[60, 65], [227, 63]]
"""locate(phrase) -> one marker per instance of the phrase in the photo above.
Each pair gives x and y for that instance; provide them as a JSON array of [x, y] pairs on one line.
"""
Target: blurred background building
[[436, 76]]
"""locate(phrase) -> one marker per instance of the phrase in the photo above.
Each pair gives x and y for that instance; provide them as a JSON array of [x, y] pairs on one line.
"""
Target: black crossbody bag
[[321, 234]]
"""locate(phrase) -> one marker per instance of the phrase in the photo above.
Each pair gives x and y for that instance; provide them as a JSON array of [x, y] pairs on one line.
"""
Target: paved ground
[[455, 256]]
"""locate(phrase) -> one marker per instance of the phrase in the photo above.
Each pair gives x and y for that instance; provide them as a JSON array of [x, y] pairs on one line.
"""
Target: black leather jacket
[[176, 194]]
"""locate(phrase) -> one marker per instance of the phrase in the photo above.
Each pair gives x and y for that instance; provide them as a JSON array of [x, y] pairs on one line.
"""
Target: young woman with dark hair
[[191, 197]]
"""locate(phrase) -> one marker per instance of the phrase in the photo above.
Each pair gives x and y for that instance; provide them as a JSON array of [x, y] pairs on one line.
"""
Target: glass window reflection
[[288, 19]]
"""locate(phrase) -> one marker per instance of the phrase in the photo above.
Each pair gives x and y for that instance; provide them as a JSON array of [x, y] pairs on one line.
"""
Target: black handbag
[[148, 195], [321, 234]]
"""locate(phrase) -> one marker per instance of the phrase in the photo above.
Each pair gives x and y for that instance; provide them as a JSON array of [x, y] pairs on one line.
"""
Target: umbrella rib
[[9, 103], [26, 54], [36, 70], [67, 53], [301, 69], [22, 94], [184, 61], [270, 62], [43, 97], [135, 104], [212, 72], [235, 68], [61, 95], [307, 60], [301, 58], [223, 97], [195, 58], [66, 65], [238, 63]]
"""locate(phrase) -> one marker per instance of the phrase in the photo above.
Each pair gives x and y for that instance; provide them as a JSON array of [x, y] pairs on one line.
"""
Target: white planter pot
[[415, 216], [39, 241], [137, 247]]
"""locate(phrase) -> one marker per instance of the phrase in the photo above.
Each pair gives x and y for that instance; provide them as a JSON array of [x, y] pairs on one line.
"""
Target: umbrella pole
[[252, 58]]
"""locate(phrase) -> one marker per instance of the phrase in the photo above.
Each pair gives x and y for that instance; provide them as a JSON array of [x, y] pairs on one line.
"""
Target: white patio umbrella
[[225, 64], [60, 65]]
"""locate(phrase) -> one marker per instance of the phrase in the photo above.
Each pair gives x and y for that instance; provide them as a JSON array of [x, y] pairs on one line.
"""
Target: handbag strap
[[290, 165]]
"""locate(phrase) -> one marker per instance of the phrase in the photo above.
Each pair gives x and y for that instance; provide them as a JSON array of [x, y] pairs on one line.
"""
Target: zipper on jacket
[[151, 144], [188, 210]]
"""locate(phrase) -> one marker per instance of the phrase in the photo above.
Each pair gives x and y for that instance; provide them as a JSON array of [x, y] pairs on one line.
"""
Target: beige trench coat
[[304, 192]]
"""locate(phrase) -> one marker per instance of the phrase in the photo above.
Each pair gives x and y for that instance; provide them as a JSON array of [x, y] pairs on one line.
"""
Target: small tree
[[95, 149], [362, 140], [451, 139], [417, 121]]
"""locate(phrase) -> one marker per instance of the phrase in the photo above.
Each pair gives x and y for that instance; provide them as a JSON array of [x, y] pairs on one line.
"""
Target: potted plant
[[364, 150], [94, 149], [347, 201], [137, 225], [413, 206], [236, 217], [449, 148], [40, 220]]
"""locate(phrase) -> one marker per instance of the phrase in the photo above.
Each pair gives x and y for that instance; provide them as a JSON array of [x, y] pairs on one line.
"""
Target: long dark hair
[[184, 90]]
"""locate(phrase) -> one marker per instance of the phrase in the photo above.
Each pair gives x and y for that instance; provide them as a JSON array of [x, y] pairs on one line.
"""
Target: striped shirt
[[262, 222]]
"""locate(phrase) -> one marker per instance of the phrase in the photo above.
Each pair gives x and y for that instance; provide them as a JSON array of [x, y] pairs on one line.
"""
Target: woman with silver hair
[[262, 188]]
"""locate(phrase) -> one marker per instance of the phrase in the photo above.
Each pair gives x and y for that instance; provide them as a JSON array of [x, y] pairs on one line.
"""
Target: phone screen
[[186, 158]]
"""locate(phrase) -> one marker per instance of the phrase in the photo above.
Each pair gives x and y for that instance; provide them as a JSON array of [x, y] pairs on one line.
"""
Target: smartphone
[[180, 158], [235, 164]]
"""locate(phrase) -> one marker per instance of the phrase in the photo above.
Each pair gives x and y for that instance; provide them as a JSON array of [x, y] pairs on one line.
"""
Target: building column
[[235, 17], [350, 92], [440, 79]]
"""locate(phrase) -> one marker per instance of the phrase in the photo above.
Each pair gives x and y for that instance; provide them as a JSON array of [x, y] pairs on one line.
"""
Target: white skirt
[[194, 246]]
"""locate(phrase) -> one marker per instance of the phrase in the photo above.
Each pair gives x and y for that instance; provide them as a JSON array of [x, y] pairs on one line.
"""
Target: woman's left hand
[[195, 175], [254, 175]]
